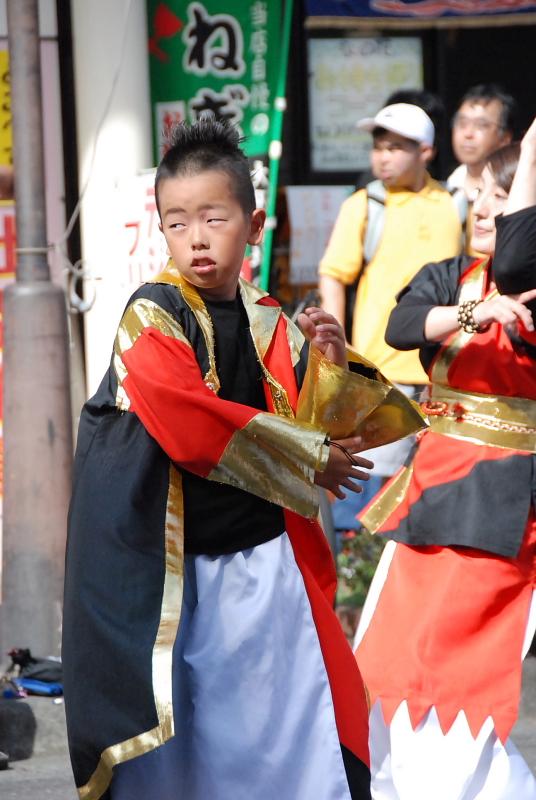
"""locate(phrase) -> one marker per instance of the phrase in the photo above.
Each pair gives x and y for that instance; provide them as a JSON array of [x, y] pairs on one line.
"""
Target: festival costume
[[450, 613], [178, 669]]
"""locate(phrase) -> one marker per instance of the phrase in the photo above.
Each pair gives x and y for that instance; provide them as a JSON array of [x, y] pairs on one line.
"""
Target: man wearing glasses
[[483, 122]]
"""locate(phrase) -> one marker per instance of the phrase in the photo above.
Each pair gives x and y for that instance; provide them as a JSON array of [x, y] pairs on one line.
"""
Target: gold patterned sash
[[483, 418]]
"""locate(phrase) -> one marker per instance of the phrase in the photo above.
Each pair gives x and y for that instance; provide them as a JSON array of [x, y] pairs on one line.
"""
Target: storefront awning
[[389, 14]]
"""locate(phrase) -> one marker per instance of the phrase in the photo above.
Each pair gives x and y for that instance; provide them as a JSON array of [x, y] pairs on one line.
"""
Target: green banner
[[203, 59]]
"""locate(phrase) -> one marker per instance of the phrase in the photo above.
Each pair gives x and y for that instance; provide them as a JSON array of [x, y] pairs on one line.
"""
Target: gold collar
[[263, 322]]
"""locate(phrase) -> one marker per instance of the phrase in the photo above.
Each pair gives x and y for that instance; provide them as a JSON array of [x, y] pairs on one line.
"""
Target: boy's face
[[207, 230], [399, 162]]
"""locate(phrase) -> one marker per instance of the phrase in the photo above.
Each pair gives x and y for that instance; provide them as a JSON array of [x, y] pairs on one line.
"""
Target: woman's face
[[488, 204]]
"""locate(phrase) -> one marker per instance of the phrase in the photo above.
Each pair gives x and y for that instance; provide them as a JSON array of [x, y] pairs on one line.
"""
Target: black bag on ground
[[40, 669]]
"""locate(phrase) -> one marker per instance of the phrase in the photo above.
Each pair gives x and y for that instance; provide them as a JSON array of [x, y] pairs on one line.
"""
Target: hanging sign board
[[350, 78], [217, 57], [312, 212]]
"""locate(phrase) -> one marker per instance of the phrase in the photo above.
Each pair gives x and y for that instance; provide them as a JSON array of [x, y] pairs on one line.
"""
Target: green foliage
[[356, 564]]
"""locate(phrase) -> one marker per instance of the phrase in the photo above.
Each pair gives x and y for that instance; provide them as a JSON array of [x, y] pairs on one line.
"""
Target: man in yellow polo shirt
[[420, 224]]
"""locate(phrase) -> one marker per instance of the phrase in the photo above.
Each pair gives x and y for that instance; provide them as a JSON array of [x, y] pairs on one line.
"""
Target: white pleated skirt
[[426, 764], [254, 717]]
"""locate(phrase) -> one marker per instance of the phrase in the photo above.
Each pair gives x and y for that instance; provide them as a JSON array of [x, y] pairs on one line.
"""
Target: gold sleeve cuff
[[275, 458], [345, 403]]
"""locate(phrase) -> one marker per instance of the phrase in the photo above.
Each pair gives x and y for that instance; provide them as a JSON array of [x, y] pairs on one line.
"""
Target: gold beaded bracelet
[[466, 319]]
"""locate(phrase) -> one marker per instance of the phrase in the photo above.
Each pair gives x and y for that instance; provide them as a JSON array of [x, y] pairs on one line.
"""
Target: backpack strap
[[376, 194], [459, 198]]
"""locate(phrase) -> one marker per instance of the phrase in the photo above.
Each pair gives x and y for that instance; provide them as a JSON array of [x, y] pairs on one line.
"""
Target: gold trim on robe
[[193, 300], [140, 314], [268, 445], [334, 398], [349, 404], [162, 651], [263, 321], [384, 505]]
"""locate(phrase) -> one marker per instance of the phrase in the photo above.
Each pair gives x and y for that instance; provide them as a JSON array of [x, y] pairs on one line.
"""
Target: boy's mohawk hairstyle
[[207, 131], [207, 144]]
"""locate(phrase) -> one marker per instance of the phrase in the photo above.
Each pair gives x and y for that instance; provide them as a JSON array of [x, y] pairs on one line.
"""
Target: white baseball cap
[[403, 118]]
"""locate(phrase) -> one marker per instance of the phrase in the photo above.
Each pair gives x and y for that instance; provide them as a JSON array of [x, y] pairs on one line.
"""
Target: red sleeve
[[270, 455], [166, 391]]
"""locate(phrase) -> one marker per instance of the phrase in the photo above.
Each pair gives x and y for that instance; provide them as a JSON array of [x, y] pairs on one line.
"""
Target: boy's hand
[[323, 330], [343, 467]]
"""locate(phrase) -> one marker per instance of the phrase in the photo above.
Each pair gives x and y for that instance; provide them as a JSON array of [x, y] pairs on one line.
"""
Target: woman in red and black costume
[[450, 613]]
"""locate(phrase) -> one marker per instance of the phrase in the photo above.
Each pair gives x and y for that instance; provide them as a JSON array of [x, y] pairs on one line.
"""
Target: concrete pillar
[[37, 414]]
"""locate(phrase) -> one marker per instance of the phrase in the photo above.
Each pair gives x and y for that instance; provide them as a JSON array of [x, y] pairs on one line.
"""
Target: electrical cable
[[75, 272]]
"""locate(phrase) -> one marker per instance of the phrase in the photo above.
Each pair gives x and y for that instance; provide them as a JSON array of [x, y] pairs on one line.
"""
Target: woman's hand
[[324, 332], [343, 467], [507, 309]]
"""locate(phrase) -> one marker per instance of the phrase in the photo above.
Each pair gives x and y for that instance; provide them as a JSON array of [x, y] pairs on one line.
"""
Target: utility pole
[[37, 414]]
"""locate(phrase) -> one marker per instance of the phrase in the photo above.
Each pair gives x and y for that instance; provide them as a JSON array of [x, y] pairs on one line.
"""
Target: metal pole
[[37, 414], [280, 104], [25, 73]]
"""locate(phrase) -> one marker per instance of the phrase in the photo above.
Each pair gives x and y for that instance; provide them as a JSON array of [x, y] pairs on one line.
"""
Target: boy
[[225, 674], [420, 224]]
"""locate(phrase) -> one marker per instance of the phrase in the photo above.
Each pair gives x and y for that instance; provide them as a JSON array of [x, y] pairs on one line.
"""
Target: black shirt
[[220, 518]]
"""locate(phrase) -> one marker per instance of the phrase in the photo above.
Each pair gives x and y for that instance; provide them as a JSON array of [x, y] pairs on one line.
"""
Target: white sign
[[137, 254], [143, 245], [312, 212], [349, 79]]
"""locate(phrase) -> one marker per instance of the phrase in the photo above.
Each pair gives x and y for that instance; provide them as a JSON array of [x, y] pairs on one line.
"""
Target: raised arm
[[426, 309], [523, 191], [514, 264]]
